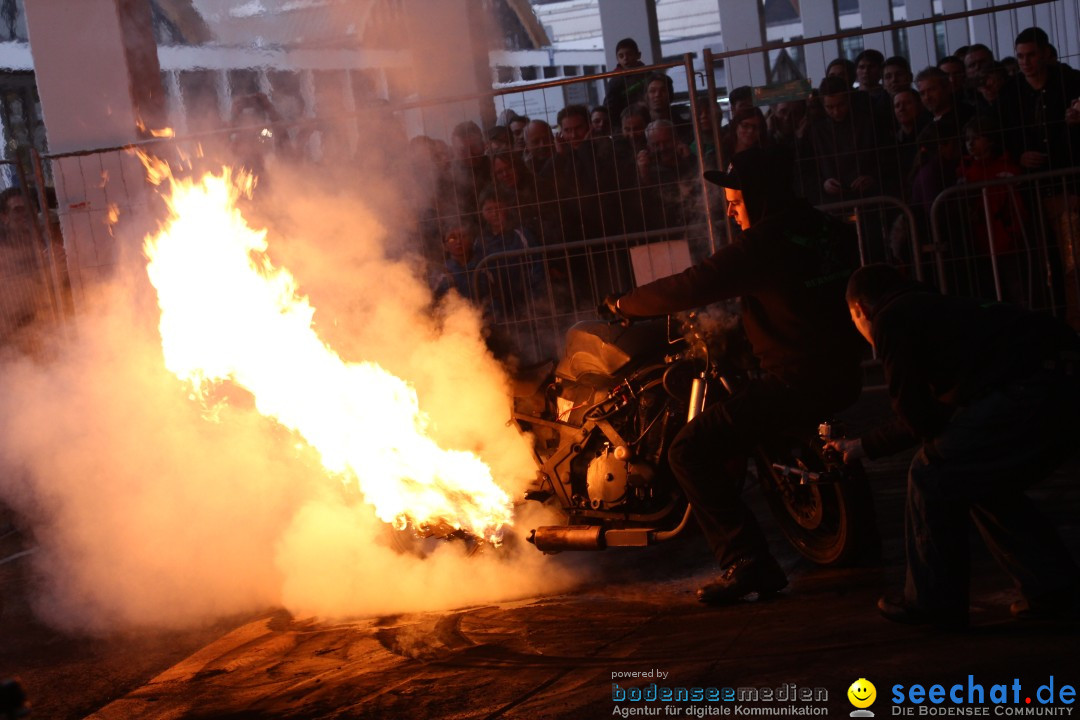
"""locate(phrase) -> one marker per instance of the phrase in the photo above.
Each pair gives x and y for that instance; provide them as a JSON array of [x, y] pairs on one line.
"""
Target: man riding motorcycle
[[790, 268]]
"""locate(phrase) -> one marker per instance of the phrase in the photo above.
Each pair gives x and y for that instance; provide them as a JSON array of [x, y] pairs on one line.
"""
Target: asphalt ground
[[635, 626]]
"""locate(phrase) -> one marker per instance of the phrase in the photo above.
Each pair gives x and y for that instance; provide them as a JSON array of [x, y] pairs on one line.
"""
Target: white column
[[819, 18], [874, 14], [97, 74], [956, 31], [1070, 13], [1008, 27], [921, 49], [630, 19], [982, 28], [1044, 18], [450, 59], [84, 76], [740, 28]]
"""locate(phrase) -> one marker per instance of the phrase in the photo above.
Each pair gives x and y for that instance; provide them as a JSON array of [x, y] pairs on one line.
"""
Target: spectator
[[934, 170], [988, 89], [625, 90], [987, 160], [554, 181], [1041, 116], [741, 98], [539, 146], [963, 95], [459, 269], [868, 69], [911, 117], [574, 126], [977, 62], [953, 67], [709, 158], [937, 97], [848, 141], [517, 127], [632, 141], [843, 69], [428, 184], [746, 130], [634, 120], [517, 282], [593, 191], [670, 176], [992, 395], [600, 121], [789, 126], [23, 273], [469, 169], [497, 139], [515, 184], [896, 75], [658, 100]]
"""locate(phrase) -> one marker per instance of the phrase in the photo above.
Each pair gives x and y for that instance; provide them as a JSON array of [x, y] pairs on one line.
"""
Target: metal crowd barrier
[[1022, 204], [33, 293], [573, 279]]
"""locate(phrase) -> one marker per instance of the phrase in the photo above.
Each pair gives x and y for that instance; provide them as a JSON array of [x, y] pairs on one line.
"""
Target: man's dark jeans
[[980, 466], [709, 455]]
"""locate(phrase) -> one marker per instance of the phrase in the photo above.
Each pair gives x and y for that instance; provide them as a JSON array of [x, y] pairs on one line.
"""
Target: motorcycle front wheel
[[829, 522]]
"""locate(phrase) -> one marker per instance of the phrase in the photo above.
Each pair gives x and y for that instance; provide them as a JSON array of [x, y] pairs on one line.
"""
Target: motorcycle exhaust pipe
[[556, 538]]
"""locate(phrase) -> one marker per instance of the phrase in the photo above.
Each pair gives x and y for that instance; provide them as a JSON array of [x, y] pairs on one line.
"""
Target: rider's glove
[[609, 310]]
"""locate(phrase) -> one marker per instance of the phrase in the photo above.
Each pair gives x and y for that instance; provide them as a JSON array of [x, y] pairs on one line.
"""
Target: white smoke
[[146, 513]]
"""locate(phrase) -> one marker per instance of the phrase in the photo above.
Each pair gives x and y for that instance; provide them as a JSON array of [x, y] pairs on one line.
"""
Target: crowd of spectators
[[629, 170]]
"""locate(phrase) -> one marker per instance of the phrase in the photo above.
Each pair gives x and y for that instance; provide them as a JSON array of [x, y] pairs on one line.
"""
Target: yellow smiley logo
[[862, 693]]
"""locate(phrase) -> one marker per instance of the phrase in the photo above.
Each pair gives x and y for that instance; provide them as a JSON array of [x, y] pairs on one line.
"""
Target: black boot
[[747, 575]]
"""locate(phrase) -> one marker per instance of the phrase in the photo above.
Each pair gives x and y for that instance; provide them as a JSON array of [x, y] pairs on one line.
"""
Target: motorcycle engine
[[613, 479]]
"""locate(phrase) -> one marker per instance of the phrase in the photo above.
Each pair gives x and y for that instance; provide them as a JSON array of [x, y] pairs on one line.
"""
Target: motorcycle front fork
[[697, 397]]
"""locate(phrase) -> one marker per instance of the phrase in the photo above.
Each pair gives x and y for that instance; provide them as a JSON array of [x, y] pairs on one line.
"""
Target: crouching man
[[992, 394]]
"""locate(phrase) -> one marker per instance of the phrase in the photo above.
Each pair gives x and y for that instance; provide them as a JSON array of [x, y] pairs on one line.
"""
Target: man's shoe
[[1057, 606], [745, 576], [898, 610]]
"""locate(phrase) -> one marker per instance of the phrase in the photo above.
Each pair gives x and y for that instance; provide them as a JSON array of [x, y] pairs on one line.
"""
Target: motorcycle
[[602, 422]]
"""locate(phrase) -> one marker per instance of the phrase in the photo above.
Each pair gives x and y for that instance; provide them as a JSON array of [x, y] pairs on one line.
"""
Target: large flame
[[227, 314]]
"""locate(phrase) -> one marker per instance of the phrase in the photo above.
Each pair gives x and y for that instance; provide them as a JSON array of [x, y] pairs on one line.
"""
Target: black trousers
[[709, 455], [978, 468]]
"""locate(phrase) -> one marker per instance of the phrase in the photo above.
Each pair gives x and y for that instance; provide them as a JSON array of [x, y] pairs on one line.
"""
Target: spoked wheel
[[825, 513], [409, 541]]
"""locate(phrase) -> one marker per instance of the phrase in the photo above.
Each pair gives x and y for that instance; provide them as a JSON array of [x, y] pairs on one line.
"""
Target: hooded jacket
[[790, 269]]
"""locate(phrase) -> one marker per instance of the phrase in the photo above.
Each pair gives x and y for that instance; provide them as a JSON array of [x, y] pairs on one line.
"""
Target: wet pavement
[[635, 627]]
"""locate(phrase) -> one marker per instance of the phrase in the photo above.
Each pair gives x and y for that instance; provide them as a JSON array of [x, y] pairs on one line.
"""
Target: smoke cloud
[[146, 512]]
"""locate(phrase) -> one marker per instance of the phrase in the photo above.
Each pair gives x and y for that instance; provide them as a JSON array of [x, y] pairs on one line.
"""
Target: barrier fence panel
[[538, 223], [526, 293], [1012, 238], [32, 294], [963, 122], [538, 226]]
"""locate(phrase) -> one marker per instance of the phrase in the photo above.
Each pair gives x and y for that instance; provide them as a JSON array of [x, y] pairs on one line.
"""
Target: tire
[[831, 522]]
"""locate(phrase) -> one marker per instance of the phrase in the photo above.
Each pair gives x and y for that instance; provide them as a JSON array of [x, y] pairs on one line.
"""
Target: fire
[[229, 315]]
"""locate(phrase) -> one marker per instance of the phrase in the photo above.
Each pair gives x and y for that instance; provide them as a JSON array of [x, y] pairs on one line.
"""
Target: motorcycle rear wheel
[[829, 523]]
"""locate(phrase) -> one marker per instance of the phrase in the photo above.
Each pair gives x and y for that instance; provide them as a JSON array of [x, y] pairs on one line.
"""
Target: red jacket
[[1007, 212]]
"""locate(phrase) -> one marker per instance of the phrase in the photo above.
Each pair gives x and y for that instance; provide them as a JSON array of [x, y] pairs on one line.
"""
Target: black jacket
[[943, 352], [790, 270], [1035, 119]]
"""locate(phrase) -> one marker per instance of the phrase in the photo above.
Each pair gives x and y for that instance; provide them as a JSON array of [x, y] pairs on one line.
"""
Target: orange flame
[[227, 314]]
